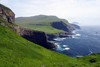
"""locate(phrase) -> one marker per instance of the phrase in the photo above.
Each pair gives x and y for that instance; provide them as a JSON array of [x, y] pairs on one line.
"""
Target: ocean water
[[84, 42]]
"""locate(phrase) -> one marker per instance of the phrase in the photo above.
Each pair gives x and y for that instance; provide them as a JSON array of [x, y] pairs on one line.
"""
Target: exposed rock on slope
[[7, 18], [49, 24], [7, 14], [52, 36], [36, 37], [62, 26], [52, 25]]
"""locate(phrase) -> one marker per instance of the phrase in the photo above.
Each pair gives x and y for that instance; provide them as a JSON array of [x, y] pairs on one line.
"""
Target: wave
[[73, 31], [57, 45], [59, 39], [64, 45], [62, 48], [67, 48], [78, 34]]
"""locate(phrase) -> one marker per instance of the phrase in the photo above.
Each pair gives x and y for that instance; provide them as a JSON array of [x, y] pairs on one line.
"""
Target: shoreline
[[61, 35]]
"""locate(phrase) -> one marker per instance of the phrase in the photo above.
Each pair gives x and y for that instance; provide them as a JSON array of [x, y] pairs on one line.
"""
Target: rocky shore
[[8, 20], [62, 26], [38, 37]]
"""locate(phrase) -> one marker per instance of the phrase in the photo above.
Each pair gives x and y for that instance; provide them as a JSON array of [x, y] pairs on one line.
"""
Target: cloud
[[73, 10], [4, 1]]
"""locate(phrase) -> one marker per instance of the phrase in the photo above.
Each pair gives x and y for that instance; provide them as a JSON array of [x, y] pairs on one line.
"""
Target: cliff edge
[[51, 25], [68, 28], [7, 18]]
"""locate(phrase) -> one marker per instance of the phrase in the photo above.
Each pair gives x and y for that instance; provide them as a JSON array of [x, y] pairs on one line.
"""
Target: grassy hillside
[[15, 51], [40, 23]]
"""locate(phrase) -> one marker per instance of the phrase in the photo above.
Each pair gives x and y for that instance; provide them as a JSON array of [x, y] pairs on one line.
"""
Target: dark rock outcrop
[[52, 36], [64, 26], [68, 28], [60, 25], [36, 37], [7, 18], [7, 14]]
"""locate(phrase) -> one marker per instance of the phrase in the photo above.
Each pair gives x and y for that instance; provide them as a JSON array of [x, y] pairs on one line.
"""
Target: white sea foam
[[73, 31], [59, 39], [90, 51], [65, 45], [73, 36], [78, 34], [55, 39], [63, 38], [57, 45], [62, 48], [67, 48]]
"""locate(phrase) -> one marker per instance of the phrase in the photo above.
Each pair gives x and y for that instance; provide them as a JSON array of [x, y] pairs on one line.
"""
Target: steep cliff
[[51, 25], [62, 26], [36, 37], [7, 14], [43, 23], [7, 18]]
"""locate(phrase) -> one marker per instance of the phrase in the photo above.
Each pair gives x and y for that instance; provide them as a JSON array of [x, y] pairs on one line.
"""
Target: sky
[[85, 12]]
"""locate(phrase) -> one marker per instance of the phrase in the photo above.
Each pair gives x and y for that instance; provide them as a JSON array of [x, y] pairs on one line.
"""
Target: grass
[[8, 24], [16, 51], [45, 28], [40, 23]]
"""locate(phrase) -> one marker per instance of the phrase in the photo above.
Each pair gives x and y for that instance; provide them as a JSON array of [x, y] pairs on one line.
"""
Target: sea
[[85, 41]]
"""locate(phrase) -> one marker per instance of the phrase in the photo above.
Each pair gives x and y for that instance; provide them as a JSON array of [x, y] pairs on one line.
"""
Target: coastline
[[61, 35]]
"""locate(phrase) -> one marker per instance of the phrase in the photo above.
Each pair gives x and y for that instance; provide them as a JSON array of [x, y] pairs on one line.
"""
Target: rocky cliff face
[[7, 18], [7, 14], [62, 26], [36, 37]]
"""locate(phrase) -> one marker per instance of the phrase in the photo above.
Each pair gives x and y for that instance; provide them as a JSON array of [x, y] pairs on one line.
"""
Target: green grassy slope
[[16, 51], [40, 23]]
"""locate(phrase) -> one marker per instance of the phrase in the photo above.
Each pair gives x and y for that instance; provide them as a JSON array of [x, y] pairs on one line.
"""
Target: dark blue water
[[85, 42]]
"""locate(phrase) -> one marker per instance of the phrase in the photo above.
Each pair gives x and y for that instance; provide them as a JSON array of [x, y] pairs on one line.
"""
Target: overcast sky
[[86, 12]]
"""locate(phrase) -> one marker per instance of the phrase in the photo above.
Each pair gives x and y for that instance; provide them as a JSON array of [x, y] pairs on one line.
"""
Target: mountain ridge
[[8, 20], [51, 25], [16, 51]]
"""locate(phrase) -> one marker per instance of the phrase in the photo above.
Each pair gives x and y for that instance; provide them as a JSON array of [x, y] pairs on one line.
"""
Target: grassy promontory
[[16, 51], [40, 23]]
